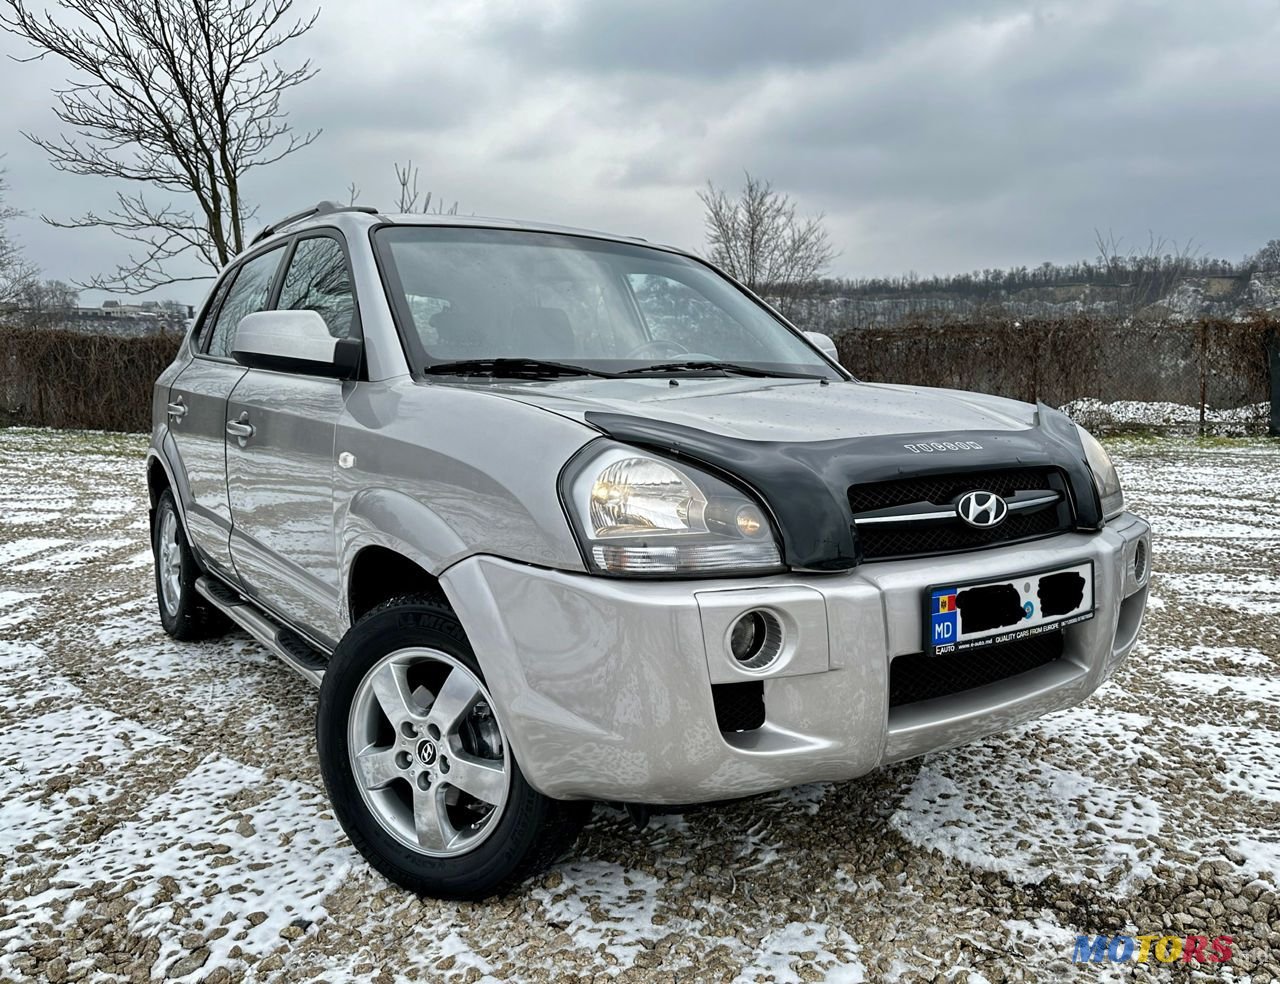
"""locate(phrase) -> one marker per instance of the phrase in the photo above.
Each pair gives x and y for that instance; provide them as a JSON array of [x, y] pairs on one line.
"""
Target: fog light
[[1140, 561], [755, 639]]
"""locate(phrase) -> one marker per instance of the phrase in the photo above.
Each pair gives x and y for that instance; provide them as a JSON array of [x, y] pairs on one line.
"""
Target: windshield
[[466, 294]]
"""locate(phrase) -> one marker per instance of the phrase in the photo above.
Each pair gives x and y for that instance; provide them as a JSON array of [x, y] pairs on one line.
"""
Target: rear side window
[[250, 292], [318, 280]]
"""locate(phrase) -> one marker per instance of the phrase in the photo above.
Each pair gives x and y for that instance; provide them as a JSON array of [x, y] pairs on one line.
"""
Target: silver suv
[[551, 516]]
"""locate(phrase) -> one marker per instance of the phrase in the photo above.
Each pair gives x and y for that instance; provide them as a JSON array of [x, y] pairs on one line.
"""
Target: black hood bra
[[806, 485]]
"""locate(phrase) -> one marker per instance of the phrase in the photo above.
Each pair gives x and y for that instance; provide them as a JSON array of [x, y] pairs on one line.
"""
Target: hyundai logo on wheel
[[982, 509]]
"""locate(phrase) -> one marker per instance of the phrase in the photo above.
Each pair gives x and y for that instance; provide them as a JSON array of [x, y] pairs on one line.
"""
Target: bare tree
[[407, 178], [1268, 258], [48, 297], [1141, 276], [180, 95], [758, 238], [16, 274], [407, 193]]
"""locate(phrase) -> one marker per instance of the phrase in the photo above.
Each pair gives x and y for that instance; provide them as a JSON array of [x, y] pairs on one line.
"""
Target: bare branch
[[181, 95], [407, 201], [407, 177]]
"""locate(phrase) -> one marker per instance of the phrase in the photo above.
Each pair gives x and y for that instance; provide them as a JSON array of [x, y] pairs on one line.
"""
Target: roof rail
[[321, 208]]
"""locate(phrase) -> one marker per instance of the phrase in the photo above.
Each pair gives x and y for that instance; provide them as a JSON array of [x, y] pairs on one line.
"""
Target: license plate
[[971, 615]]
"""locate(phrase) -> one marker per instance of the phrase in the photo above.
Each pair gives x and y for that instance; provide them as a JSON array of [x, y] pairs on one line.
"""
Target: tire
[[184, 612], [395, 797]]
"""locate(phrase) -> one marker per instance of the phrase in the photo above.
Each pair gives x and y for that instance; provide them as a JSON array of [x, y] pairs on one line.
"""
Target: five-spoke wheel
[[419, 769], [428, 752]]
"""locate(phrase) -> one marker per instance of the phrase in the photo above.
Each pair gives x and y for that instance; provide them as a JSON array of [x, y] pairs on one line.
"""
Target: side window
[[250, 292], [318, 280]]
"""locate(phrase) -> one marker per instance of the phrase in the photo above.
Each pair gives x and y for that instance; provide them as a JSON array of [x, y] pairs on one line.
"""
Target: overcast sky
[[935, 136]]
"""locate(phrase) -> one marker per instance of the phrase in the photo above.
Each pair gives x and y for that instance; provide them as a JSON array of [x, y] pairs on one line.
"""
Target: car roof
[[492, 222], [357, 216], [353, 219]]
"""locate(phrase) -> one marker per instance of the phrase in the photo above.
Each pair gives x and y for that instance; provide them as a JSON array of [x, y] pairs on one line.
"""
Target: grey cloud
[[711, 38], [936, 136]]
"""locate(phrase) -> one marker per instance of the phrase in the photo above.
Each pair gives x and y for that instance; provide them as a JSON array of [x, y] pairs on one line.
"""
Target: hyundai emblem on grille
[[982, 509]]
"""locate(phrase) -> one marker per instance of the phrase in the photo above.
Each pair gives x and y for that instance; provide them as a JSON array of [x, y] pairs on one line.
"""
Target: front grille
[[739, 706], [948, 534], [919, 676]]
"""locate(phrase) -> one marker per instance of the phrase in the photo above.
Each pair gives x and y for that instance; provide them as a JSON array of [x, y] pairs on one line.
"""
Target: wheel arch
[[392, 544], [157, 478], [160, 477], [379, 573]]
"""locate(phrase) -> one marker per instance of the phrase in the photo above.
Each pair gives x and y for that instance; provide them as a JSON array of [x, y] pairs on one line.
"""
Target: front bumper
[[603, 686]]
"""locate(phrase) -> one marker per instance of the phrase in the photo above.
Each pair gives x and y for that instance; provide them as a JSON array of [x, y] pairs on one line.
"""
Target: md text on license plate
[[967, 616]]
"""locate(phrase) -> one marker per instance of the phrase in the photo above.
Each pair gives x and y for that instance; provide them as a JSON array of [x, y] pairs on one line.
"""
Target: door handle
[[241, 429], [177, 409]]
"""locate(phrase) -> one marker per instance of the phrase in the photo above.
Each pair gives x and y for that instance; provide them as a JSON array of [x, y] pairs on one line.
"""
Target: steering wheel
[[644, 349]]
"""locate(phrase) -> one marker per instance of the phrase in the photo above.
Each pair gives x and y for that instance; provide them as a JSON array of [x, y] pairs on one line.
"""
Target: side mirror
[[295, 341], [825, 343]]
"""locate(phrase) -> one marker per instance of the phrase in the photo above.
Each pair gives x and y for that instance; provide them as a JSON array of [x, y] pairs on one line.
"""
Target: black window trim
[[288, 246]]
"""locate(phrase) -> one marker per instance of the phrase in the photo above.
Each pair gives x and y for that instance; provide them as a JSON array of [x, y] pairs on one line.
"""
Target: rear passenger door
[[280, 478], [198, 406]]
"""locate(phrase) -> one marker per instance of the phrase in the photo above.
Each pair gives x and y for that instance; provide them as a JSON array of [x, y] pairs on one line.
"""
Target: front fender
[[382, 517]]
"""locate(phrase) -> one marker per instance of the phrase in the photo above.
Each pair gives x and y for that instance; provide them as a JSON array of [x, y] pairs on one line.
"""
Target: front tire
[[184, 612], [419, 772]]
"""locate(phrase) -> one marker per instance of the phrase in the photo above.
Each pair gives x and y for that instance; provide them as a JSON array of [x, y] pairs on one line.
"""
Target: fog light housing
[[1140, 562], [755, 639]]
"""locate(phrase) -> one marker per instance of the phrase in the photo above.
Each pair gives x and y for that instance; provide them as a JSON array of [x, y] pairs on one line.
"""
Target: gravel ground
[[162, 816]]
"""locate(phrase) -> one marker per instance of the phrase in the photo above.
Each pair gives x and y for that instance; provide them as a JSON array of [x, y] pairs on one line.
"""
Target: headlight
[[1105, 476], [639, 514]]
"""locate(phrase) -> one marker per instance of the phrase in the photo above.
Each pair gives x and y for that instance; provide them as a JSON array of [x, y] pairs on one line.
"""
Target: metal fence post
[[1204, 395], [1273, 357]]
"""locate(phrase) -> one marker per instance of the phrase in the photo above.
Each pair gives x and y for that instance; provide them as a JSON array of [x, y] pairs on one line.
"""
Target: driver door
[[280, 473]]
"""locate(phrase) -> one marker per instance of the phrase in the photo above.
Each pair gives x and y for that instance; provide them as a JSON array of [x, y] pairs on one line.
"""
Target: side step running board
[[289, 647]]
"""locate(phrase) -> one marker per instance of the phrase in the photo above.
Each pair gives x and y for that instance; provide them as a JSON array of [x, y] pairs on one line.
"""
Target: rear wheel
[[416, 763], [184, 612]]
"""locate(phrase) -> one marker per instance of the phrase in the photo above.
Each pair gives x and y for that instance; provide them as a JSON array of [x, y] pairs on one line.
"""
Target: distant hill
[[1151, 296]]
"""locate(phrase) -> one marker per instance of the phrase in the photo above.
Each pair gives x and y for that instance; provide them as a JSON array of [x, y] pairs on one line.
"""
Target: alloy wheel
[[427, 752]]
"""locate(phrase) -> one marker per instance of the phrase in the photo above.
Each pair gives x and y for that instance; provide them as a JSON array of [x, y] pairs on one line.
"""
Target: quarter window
[[250, 292], [211, 310], [318, 280]]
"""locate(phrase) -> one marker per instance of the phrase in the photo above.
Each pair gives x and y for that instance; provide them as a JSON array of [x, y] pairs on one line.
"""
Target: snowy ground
[[161, 813], [1129, 416]]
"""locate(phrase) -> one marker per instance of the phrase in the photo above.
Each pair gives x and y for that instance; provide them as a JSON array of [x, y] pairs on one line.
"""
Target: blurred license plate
[[971, 615]]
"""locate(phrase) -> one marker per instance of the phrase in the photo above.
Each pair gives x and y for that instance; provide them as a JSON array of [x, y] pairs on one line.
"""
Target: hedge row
[[58, 378]]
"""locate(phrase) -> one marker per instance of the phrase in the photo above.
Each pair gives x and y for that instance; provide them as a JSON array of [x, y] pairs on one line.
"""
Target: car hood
[[784, 410], [800, 446]]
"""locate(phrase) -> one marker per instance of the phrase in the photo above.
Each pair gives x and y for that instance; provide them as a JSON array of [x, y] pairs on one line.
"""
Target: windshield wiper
[[732, 368], [517, 368]]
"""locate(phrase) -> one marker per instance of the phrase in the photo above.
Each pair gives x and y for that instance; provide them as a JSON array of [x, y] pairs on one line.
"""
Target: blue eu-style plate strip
[[944, 624]]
